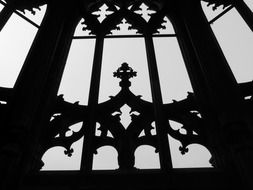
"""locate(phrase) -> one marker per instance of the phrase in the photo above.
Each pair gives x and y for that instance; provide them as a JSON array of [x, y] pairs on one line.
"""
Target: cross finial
[[125, 73]]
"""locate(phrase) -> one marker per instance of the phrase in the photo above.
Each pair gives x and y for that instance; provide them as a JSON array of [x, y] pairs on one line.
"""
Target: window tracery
[[191, 130], [147, 19], [101, 18]]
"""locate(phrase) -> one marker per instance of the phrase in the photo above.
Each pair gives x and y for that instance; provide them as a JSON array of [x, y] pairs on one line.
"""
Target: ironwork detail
[[125, 139], [67, 114], [131, 12], [110, 14], [34, 119]]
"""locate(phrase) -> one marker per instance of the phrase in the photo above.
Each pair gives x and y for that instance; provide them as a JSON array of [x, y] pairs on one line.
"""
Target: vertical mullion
[[164, 149], [87, 155]]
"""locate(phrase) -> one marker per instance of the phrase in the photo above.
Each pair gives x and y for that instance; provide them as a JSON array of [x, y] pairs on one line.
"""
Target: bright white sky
[[234, 36]]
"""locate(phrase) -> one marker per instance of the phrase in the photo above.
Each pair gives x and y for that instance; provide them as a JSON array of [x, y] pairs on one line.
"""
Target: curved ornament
[[125, 139]]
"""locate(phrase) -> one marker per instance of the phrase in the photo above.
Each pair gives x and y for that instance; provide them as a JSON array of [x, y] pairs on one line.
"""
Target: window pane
[[197, 156], [146, 158], [105, 159], [175, 84], [15, 39], [75, 82], [55, 159], [75, 88], [35, 16], [236, 41], [173, 76], [117, 51]]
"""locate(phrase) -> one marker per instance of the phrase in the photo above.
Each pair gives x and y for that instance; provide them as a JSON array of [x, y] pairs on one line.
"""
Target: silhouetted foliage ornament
[[117, 11], [125, 139], [69, 152]]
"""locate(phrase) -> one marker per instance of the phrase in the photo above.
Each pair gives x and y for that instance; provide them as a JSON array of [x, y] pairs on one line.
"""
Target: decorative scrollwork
[[65, 115], [126, 139], [131, 11], [185, 112]]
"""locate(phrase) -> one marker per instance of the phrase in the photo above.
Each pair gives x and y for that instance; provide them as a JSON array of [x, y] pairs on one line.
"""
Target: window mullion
[[87, 155], [163, 144]]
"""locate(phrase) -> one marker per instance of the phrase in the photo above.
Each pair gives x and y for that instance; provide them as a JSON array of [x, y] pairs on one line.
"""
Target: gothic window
[[112, 41], [123, 91]]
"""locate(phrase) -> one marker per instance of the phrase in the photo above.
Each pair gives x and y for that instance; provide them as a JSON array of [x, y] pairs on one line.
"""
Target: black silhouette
[[217, 115]]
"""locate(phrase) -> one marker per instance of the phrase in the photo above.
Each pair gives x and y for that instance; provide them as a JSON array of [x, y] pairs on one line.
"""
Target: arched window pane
[[15, 39], [236, 41], [197, 156], [146, 158], [75, 88], [55, 159], [173, 76], [75, 82], [105, 159]]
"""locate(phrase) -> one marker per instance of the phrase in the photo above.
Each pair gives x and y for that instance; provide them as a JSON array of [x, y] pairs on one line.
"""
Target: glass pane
[[175, 84], [197, 156], [55, 159], [105, 159], [15, 39], [75, 82], [75, 88], [146, 158], [117, 51], [36, 15], [236, 41], [173, 76]]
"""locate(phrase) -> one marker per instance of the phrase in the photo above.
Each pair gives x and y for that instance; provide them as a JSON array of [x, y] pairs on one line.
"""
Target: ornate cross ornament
[[125, 73]]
